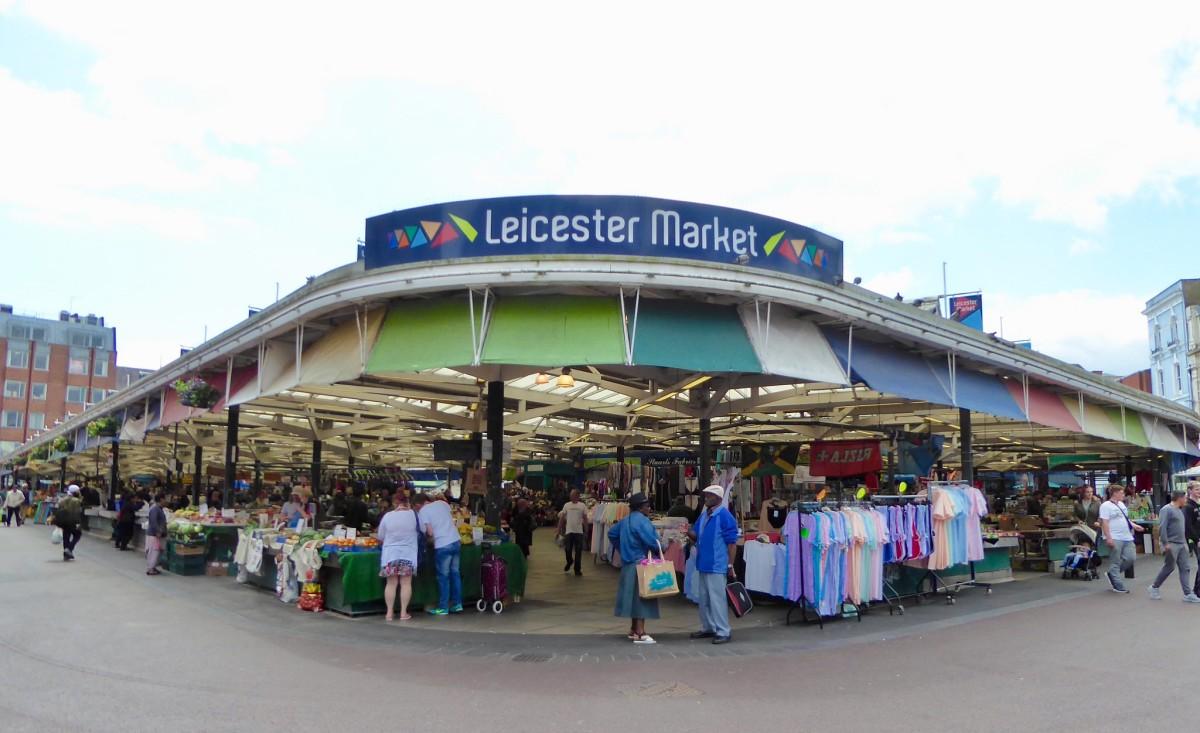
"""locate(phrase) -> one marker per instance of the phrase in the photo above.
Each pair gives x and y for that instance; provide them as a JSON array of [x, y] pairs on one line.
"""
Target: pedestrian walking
[[1118, 534], [1172, 533], [634, 537], [715, 538], [14, 501], [67, 517], [522, 524], [156, 533], [1191, 519], [571, 522]]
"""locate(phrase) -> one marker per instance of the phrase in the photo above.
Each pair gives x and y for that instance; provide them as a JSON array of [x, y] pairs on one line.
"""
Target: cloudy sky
[[167, 167]]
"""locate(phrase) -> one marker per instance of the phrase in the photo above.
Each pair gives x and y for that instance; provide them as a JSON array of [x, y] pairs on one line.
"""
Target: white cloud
[[852, 127], [1104, 331], [890, 283], [1081, 246]]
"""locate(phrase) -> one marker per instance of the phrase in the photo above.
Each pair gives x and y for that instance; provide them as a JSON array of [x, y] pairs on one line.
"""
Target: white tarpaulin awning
[[790, 346]]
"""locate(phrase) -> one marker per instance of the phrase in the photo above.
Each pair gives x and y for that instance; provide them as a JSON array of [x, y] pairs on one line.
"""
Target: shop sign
[[832, 458], [966, 309], [621, 226]]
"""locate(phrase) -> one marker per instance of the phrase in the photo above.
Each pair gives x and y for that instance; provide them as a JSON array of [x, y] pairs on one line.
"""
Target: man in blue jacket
[[715, 538]]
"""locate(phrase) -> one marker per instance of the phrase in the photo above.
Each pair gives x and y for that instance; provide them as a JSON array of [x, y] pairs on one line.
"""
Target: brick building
[[50, 368]]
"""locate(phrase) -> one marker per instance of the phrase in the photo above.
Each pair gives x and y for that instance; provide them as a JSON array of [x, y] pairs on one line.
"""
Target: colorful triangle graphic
[[805, 257], [788, 253], [445, 234], [773, 242], [412, 233], [465, 227], [431, 228], [811, 251], [797, 245], [819, 260], [402, 238], [392, 244], [420, 239]]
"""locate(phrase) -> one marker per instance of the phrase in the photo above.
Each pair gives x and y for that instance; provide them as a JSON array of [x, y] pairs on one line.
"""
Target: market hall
[[463, 354]]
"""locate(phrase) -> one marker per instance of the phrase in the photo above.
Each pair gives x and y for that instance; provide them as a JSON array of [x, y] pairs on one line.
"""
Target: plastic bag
[[56, 536]]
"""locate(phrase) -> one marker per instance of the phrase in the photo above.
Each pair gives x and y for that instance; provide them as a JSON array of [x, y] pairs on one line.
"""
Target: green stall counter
[[352, 584]]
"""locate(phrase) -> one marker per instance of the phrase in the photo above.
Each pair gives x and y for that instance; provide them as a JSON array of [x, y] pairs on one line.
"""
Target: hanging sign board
[[845, 457], [606, 226]]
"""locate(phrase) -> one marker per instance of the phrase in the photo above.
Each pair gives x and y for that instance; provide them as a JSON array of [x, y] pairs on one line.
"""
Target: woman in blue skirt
[[634, 537]]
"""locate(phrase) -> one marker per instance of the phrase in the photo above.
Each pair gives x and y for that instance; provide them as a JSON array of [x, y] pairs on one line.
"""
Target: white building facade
[[1173, 323]]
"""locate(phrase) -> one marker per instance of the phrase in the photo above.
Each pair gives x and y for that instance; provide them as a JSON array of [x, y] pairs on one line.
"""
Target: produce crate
[[185, 550], [191, 565]]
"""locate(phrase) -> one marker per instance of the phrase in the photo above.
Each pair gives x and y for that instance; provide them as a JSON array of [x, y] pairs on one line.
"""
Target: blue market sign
[[600, 225]]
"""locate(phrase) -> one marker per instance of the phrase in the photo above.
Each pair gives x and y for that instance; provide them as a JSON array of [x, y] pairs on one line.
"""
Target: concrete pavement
[[96, 645]]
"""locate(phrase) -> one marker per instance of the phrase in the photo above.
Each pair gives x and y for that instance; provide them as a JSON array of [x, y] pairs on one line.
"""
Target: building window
[[41, 358], [1174, 330], [97, 395], [17, 331], [92, 340], [18, 356], [76, 394], [37, 421], [100, 367], [13, 418], [37, 391], [14, 388], [78, 363], [1162, 384], [1178, 379]]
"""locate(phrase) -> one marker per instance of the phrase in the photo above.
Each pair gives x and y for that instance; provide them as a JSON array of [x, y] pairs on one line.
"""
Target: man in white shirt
[[437, 521], [570, 526], [12, 506], [1118, 534]]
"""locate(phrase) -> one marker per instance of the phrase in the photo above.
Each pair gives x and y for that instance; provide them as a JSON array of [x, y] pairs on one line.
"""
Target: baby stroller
[[1081, 561]]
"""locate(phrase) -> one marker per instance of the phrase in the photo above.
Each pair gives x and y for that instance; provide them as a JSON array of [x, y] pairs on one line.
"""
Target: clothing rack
[[935, 580], [894, 600], [803, 603]]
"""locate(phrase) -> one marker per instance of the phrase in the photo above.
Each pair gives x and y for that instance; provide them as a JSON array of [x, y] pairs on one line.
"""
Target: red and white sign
[[834, 458]]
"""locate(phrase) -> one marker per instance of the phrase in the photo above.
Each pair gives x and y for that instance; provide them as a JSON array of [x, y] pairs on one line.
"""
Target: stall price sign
[[845, 457]]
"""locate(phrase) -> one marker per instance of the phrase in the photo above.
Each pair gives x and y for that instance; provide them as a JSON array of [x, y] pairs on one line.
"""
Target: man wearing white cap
[[715, 539]]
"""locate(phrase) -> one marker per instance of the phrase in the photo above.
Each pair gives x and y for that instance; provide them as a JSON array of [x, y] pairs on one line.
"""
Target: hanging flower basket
[[103, 427], [196, 392], [61, 445], [41, 453]]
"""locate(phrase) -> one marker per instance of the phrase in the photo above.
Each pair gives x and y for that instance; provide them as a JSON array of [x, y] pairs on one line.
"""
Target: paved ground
[[96, 645]]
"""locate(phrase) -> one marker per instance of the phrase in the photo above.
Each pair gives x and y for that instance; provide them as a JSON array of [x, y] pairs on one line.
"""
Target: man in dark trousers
[[1191, 517]]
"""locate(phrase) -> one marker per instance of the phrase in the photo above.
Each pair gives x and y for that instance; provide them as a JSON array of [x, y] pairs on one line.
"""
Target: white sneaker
[[1155, 593], [645, 639], [1191, 598]]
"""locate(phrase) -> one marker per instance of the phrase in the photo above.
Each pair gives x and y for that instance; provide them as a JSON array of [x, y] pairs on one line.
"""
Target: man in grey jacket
[[1172, 532]]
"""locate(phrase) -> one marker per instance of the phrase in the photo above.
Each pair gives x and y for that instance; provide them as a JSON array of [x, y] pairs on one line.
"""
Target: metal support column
[[495, 467], [705, 452], [199, 471], [114, 471], [257, 476], [316, 469], [231, 455], [968, 460], [62, 473]]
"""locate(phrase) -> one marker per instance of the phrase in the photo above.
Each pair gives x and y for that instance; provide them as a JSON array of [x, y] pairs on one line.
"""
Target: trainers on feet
[[1191, 598], [437, 612], [1155, 593], [1113, 585]]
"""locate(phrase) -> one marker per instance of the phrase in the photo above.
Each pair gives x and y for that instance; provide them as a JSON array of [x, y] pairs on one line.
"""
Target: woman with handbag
[[400, 535], [634, 537]]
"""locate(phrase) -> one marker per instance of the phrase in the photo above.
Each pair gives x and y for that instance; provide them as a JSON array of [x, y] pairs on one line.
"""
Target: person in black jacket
[[357, 514], [1191, 524], [126, 519], [522, 525]]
